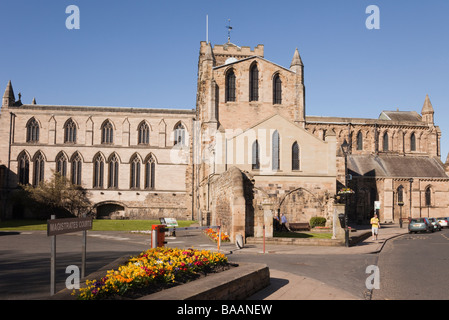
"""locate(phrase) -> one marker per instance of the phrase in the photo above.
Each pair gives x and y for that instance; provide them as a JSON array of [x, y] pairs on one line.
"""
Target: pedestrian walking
[[375, 225], [283, 223]]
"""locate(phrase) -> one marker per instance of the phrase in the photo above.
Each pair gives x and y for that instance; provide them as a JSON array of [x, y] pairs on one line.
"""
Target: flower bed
[[212, 234], [151, 271]]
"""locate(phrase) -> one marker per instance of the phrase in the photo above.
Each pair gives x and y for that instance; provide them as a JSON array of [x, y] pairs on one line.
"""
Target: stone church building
[[247, 152]]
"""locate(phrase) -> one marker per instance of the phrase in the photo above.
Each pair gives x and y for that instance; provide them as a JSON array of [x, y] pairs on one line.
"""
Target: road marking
[[103, 236], [443, 235]]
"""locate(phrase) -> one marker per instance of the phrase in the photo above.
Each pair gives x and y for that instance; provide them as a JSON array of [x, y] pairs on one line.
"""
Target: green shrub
[[317, 222]]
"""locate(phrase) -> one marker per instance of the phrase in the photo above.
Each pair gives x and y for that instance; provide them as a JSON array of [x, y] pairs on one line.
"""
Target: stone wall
[[229, 206]]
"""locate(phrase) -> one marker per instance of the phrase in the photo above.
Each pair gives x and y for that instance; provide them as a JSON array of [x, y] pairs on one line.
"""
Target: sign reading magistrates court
[[60, 226]]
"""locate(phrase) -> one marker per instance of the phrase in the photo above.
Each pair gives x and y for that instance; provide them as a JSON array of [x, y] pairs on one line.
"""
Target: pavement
[[288, 286]]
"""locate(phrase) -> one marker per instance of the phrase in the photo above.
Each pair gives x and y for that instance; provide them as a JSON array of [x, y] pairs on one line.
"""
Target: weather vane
[[229, 30]]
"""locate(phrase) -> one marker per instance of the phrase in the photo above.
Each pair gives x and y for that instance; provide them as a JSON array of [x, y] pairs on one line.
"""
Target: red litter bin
[[158, 235]]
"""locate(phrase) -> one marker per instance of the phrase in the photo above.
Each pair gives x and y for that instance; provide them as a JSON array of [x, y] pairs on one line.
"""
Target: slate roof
[[395, 166], [400, 116]]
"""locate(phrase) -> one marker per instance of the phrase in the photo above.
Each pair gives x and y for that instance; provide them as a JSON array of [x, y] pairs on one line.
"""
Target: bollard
[[219, 238], [154, 232], [263, 238]]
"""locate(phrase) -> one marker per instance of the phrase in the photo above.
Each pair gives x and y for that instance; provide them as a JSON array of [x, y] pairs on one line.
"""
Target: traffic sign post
[[61, 226]]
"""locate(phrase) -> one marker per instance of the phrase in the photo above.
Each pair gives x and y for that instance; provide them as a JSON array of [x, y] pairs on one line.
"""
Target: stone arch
[[110, 210], [300, 204]]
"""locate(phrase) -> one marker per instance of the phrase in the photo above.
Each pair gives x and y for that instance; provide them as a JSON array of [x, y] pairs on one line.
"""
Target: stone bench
[[299, 226]]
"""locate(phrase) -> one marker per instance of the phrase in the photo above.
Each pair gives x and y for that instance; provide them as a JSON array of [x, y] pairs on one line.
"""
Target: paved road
[[25, 259], [415, 266]]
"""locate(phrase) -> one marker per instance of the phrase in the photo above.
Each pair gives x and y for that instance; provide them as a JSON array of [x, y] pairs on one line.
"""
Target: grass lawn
[[303, 235], [98, 225]]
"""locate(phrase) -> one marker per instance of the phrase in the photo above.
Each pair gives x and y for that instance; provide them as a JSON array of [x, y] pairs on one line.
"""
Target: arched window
[[277, 89], [359, 141], [230, 86], [428, 195], [98, 171], [180, 135], [275, 151], [385, 142], [113, 172], [401, 194], [413, 142], [70, 131], [76, 169], [144, 133], [32, 130], [24, 168], [295, 156], [135, 173], [61, 164], [39, 165], [255, 156], [254, 83], [107, 132], [150, 173]]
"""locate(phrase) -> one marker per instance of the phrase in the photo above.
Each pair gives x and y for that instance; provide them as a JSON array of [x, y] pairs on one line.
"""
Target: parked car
[[420, 225], [435, 224], [443, 221]]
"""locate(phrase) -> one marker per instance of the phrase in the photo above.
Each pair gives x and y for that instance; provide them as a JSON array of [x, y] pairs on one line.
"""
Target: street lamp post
[[345, 149], [411, 181], [400, 204]]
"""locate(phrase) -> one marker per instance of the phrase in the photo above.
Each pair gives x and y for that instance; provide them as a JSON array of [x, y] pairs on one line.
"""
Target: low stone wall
[[296, 241], [237, 283]]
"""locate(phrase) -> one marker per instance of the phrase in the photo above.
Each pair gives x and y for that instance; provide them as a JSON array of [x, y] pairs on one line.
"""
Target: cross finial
[[229, 30]]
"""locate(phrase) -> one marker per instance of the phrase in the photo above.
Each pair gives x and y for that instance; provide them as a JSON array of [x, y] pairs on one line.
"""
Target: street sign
[[61, 226]]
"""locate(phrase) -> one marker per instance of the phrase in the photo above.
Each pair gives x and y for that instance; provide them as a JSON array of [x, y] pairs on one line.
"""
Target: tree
[[59, 195]]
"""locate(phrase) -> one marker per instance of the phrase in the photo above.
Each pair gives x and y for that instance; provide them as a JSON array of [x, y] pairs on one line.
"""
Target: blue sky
[[140, 53]]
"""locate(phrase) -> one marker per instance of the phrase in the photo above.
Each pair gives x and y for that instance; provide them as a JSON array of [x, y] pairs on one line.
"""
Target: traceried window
[[24, 168], [277, 89], [61, 164], [359, 141], [113, 172], [107, 133], [98, 172], [144, 133], [255, 156], [230, 86], [70, 131], [76, 169], [135, 173], [413, 142], [295, 156], [180, 135], [254, 83], [275, 151], [150, 173], [32, 130], [39, 166]]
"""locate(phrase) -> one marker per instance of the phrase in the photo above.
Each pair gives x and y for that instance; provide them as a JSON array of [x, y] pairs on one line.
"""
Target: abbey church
[[245, 153]]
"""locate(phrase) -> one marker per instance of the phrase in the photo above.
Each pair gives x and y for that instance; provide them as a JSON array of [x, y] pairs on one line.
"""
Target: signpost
[[61, 226]]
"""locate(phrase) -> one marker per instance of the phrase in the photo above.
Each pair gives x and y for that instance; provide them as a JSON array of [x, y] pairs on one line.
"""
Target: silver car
[[443, 221]]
